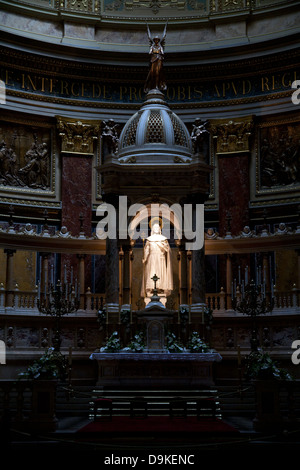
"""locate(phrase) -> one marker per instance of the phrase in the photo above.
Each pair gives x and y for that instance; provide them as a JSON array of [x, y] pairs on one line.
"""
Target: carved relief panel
[[27, 162], [278, 157]]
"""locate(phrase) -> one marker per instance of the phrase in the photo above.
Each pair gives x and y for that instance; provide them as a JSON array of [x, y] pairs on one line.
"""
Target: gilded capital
[[232, 136], [77, 136]]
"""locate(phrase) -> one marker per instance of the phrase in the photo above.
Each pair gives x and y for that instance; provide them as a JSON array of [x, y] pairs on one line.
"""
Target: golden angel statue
[[157, 260], [155, 78]]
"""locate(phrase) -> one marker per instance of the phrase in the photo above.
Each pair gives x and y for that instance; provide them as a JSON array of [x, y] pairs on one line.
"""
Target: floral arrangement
[[259, 365], [196, 344], [172, 345], [51, 365], [113, 344], [137, 344]]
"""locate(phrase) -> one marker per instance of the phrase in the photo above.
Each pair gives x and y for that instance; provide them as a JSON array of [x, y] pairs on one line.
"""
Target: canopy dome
[[155, 134]]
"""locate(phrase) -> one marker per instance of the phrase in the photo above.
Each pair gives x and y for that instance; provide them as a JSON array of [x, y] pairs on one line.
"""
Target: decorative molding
[[30, 202]]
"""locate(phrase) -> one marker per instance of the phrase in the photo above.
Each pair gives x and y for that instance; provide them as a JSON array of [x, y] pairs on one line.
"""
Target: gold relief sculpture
[[80, 5], [25, 157], [232, 136], [231, 4], [76, 136]]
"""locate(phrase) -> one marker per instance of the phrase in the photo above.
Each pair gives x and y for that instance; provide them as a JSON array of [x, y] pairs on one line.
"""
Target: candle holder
[[253, 302], [58, 302]]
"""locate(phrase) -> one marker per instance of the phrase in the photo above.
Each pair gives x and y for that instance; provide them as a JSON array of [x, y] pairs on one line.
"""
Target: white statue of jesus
[[157, 260]]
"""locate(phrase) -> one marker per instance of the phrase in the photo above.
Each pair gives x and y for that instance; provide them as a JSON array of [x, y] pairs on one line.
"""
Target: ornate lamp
[[253, 302], [57, 302]]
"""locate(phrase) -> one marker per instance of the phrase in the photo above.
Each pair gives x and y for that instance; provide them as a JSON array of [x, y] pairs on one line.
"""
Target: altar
[[153, 370]]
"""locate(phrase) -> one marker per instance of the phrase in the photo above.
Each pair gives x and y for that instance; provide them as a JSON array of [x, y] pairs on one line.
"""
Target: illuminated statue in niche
[[157, 260], [155, 78]]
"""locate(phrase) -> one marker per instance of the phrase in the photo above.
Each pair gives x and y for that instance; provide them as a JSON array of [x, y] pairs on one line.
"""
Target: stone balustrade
[[26, 301]]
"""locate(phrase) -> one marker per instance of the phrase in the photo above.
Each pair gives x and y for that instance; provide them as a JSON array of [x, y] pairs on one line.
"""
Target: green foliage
[[113, 343], [259, 365], [51, 365], [172, 344], [196, 344], [137, 344], [101, 316]]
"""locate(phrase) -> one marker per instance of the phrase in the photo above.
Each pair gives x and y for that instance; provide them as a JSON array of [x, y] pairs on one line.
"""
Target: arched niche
[[155, 335]]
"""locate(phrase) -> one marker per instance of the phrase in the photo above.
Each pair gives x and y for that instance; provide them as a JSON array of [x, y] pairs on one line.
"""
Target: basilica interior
[[149, 224]]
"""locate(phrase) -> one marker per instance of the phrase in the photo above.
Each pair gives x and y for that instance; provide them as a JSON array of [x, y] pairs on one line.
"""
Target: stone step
[[74, 401], [236, 400], [158, 401]]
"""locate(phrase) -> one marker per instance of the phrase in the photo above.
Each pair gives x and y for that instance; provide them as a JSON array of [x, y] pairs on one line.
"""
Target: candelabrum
[[253, 302], [58, 301]]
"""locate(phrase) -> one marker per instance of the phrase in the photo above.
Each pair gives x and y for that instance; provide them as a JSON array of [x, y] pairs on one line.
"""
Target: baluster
[[35, 297], [88, 296], [275, 298], [284, 300], [222, 299], [2, 295], [16, 296], [294, 296]]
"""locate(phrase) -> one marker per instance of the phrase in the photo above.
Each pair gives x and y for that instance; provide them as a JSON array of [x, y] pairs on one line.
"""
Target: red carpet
[[158, 425]]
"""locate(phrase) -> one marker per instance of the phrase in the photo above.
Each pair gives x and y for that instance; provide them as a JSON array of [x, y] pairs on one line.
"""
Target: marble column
[[77, 151], [9, 277], [198, 286], [126, 275], [232, 146], [198, 277], [234, 190], [121, 264], [189, 271], [183, 276], [229, 280], [233, 161], [112, 274], [298, 266]]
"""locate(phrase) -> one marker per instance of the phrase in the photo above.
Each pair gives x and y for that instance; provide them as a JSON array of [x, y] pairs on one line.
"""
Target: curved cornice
[[228, 63], [224, 36]]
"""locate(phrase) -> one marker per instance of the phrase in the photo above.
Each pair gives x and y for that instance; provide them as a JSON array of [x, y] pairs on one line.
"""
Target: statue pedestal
[[155, 370]]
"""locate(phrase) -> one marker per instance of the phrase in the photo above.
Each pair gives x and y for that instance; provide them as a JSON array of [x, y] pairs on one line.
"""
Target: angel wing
[[149, 35], [163, 39]]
